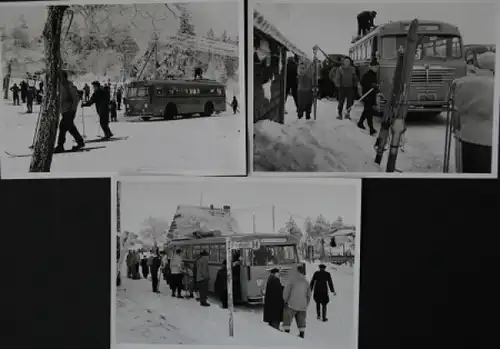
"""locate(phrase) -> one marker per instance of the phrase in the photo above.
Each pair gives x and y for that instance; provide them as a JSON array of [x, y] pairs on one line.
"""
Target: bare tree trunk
[[49, 116]]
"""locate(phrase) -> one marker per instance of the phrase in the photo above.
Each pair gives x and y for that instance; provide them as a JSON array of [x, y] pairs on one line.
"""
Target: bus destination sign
[[254, 244], [425, 27]]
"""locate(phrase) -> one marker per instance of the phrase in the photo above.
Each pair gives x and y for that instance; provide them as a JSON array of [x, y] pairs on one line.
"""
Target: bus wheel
[[170, 112], [145, 118], [209, 109]]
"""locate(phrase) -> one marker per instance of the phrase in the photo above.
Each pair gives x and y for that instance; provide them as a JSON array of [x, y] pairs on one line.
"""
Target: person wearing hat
[[100, 98], [320, 283], [273, 300], [473, 117], [203, 278]]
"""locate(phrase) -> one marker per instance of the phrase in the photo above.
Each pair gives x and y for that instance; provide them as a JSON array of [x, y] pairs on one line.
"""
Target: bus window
[[222, 253], [138, 91], [272, 255], [214, 253]]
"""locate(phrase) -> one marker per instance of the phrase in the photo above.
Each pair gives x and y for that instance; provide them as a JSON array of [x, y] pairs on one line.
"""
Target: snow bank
[[323, 145]]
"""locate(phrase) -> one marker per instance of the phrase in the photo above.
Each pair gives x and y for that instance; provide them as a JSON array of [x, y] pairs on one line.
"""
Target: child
[[112, 110]]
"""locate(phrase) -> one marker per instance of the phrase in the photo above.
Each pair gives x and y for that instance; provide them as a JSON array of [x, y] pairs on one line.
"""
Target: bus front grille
[[432, 76]]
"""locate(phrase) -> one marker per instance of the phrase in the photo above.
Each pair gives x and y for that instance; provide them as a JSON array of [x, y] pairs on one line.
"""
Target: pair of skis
[[393, 121]]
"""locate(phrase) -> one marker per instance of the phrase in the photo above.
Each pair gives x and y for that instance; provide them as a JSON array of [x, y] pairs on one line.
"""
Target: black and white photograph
[[145, 87], [374, 89], [253, 261]]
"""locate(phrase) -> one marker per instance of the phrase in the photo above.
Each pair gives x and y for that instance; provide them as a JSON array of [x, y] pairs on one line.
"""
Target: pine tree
[[186, 27], [210, 34]]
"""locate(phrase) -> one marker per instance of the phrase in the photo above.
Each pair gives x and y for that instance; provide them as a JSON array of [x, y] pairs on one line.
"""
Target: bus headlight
[[261, 282], [145, 106]]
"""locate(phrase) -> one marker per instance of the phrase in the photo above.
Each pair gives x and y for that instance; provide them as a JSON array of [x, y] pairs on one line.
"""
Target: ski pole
[[348, 111], [83, 125]]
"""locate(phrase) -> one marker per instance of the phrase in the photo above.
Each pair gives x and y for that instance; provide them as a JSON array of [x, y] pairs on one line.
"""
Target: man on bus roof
[[473, 116], [365, 22]]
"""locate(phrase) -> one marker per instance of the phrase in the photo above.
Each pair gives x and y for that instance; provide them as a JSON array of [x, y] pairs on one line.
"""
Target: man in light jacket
[[346, 81], [203, 278], [296, 296], [473, 117], [176, 274], [69, 99]]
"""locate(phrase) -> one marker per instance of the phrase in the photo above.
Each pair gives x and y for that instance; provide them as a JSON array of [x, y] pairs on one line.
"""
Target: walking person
[[296, 296], [305, 90], [176, 274], [86, 92], [220, 285], [112, 111], [320, 283], [203, 278], [30, 96], [234, 105], [15, 93], [144, 265], [273, 300], [24, 88], [69, 99], [473, 116], [155, 268], [119, 96], [368, 82], [346, 81], [100, 98], [129, 264]]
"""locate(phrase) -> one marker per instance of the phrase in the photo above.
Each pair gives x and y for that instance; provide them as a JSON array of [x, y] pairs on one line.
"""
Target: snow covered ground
[[331, 145], [144, 317], [213, 145]]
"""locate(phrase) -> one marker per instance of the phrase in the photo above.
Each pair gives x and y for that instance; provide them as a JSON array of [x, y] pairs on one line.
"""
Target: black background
[[429, 270]]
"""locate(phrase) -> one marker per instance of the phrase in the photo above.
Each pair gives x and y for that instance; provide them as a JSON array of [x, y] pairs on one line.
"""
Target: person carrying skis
[[369, 82], [100, 98], [320, 282], [69, 99]]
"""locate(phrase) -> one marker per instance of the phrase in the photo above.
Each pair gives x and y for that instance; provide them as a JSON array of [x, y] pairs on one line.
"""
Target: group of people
[[283, 304], [27, 93]]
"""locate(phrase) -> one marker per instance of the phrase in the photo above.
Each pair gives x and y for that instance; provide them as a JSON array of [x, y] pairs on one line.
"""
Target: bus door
[[245, 273]]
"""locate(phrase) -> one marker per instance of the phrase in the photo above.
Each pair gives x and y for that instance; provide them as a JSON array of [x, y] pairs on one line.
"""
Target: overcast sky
[[332, 25], [160, 199], [205, 16]]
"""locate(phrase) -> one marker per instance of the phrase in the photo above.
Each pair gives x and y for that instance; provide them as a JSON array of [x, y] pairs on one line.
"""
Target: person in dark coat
[[86, 92], [234, 105], [144, 266], [30, 96], [119, 95], [369, 81], [129, 260], [24, 88], [112, 110], [365, 21], [320, 283], [15, 94], [198, 73], [100, 98], [155, 268], [236, 271], [273, 300], [39, 93], [220, 285]]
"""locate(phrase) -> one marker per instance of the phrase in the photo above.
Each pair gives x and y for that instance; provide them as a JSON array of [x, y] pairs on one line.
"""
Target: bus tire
[[170, 112], [145, 118], [209, 109]]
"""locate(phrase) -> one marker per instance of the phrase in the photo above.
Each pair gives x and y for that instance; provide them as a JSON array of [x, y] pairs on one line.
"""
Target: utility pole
[[274, 220]]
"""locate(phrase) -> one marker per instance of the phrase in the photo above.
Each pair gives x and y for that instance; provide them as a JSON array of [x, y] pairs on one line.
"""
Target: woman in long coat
[[320, 283], [273, 300]]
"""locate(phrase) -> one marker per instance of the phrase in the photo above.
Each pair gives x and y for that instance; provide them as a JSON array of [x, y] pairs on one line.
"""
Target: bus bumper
[[426, 107], [255, 300]]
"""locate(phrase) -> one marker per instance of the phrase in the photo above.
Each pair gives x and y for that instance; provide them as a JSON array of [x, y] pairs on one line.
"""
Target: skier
[[273, 300], [176, 274], [365, 21], [220, 285], [368, 82], [24, 87], [86, 92], [155, 268], [30, 96], [346, 80], [100, 98], [320, 282], [305, 90], [203, 278], [291, 78], [119, 95], [15, 93], [69, 99], [473, 116], [112, 110], [234, 105], [297, 296]]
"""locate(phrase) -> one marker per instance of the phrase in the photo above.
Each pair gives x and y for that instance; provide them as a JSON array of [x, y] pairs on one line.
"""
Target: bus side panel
[[220, 104]]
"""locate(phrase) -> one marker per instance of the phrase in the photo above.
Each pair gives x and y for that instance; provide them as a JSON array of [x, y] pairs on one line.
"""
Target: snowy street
[[212, 145], [332, 145], [145, 317]]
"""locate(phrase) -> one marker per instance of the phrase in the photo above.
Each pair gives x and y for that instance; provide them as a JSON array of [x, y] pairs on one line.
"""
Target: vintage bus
[[269, 251], [438, 61], [170, 99]]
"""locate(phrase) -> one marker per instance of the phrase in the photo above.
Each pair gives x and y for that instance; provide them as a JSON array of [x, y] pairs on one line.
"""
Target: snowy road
[[425, 137], [144, 317], [214, 145]]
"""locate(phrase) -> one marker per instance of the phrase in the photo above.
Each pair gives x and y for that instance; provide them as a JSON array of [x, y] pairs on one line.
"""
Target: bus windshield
[[137, 91], [431, 46], [274, 255]]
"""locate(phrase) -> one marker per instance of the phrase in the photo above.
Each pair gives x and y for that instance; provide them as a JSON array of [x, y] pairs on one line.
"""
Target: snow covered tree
[[210, 34], [338, 223], [186, 27], [155, 231], [292, 228], [224, 37]]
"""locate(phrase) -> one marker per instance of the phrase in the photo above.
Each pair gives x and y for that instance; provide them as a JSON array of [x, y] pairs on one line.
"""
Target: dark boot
[[59, 149], [301, 334]]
